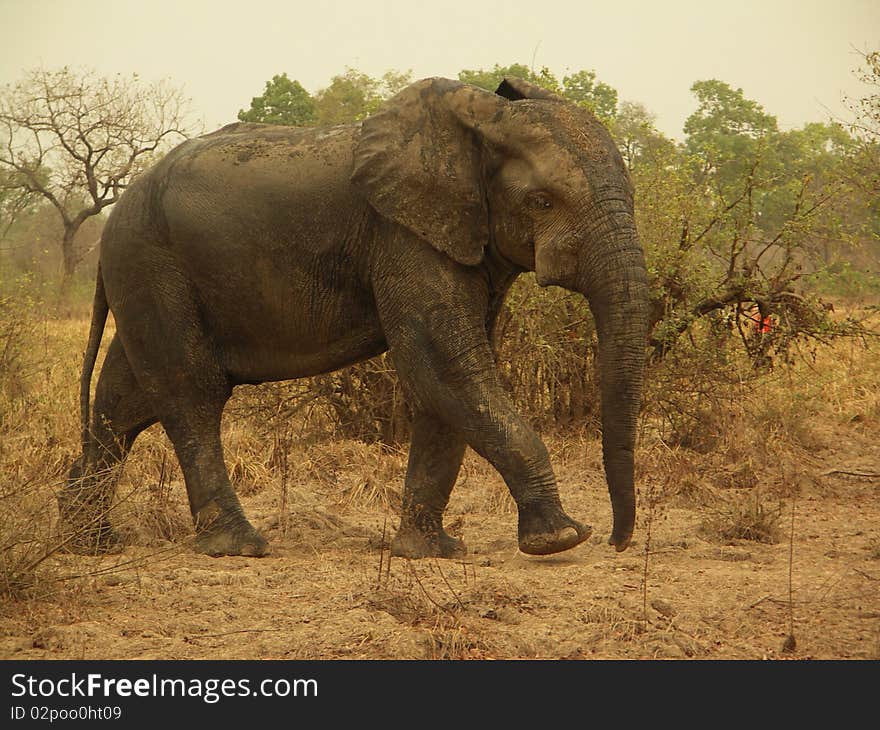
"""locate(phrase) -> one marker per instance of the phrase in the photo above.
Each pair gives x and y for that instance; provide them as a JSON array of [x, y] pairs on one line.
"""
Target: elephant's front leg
[[435, 456], [498, 433], [443, 357]]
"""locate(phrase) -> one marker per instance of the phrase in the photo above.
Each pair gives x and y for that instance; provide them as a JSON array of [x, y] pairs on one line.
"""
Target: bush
[[691, 394], [545, 341], [25, 523], [751, 517], [17, 339]]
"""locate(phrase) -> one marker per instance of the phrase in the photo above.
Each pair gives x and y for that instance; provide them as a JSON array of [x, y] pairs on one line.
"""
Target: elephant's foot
[[216, 535], [412, 542], [240, 540], [83, 506], [544, 531], [90, 539]]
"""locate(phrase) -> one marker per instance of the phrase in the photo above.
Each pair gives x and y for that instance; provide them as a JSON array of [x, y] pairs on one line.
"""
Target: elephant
[[261, 253]]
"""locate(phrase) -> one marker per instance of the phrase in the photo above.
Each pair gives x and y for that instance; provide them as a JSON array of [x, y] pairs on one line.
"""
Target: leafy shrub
[[546, 347]]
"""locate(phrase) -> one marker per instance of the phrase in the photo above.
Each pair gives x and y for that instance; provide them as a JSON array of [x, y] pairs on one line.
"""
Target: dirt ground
[[807, 441], [328, 589]]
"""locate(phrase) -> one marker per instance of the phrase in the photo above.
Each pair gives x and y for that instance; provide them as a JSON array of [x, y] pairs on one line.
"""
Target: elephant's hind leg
[[435, 456], [121, 411], [179, 367], [193, 425]]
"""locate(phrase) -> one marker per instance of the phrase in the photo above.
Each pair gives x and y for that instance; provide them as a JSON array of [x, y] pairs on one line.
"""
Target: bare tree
[[77, 140], [15, 199], [865, 127]]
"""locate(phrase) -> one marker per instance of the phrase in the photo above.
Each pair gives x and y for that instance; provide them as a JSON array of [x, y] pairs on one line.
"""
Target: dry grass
[[723, 470], [748, 517]]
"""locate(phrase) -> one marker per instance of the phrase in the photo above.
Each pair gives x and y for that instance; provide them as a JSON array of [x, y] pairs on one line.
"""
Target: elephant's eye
[[539, 201]]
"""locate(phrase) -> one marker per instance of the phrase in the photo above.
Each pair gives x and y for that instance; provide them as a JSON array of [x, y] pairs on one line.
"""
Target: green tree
[[394, 81], [492, 78], [284, 101], [639, 140], [865, 128], [817, 152], [733, 219], [583, 88], [866, 109], [724, 112], [353, 95], [766, 178], [728, 134], [863, 170]]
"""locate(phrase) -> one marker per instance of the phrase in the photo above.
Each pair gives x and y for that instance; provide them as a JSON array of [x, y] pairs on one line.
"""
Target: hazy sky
[[795, 57]]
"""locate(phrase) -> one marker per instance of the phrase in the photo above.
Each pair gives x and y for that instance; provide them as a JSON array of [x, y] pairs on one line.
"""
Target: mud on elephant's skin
[[262, 253]]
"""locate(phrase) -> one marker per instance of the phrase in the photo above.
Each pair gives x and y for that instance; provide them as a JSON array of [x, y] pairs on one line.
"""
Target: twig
[[238, 631], [427, 595], [161, 554], [866, 575], [790, 641], [648, 525], [852, 473], [388, 566], [381, 554], [442, 575]]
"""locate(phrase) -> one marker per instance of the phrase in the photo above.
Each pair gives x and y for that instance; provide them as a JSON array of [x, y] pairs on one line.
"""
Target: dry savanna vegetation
[[760, 522], [758, 463]]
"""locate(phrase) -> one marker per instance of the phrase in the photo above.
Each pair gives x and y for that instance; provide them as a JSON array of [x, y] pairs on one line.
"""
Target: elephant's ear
[[516, 89], [419, 163]]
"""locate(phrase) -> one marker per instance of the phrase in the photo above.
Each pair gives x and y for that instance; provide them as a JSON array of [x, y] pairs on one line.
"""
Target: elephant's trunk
[[615, 282]]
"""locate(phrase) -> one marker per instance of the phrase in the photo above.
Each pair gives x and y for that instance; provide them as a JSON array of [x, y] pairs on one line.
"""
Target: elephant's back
[[275, 191], [239, 198], [248, 148]]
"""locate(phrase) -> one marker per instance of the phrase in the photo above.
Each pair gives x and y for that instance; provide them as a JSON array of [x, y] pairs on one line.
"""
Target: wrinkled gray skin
[[262, 253]]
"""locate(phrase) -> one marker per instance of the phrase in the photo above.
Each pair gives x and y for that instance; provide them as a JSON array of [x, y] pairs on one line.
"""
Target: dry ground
[[328, 590]]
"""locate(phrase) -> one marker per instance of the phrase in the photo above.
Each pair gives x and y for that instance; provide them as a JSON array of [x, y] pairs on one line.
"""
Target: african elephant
[[262, 253]]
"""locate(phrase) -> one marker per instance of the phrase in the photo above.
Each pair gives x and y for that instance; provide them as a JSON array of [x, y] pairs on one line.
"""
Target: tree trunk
[[69, 261]]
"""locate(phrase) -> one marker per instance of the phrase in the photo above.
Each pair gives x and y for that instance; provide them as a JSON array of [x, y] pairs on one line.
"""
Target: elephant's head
[[542, 182]]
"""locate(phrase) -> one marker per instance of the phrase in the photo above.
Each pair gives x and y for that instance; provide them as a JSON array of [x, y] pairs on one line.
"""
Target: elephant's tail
[[96, 332]]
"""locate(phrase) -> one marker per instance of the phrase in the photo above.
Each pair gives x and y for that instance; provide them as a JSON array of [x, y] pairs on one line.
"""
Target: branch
[[702, 308]]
